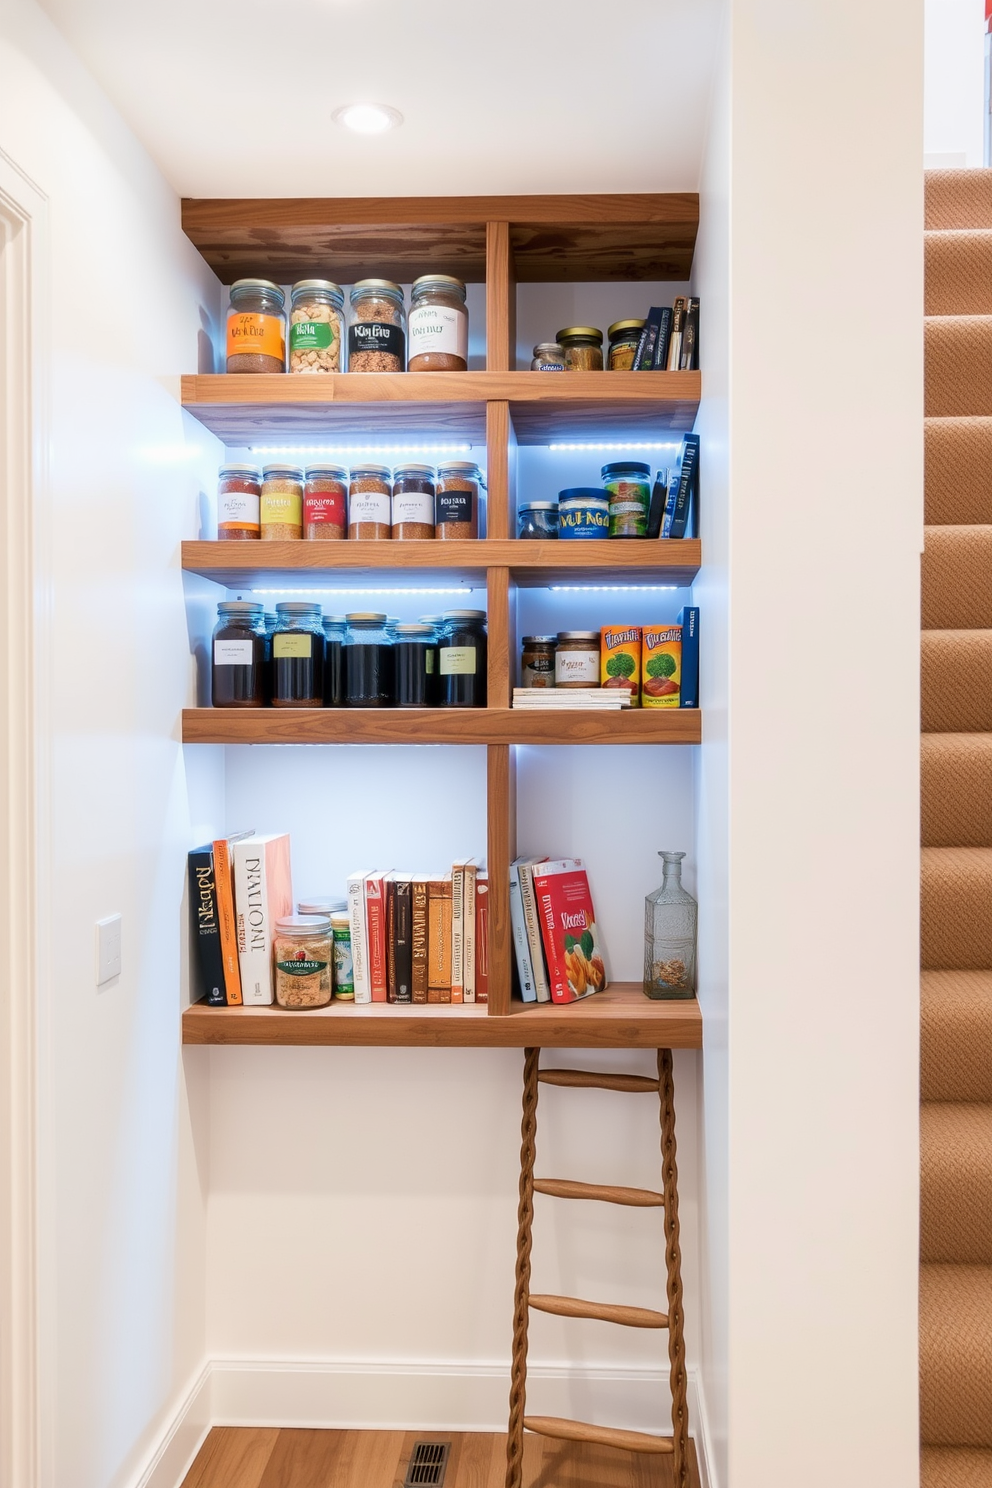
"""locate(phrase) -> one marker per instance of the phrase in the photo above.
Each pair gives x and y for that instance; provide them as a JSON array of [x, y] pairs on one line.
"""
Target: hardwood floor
[[250, 1457]]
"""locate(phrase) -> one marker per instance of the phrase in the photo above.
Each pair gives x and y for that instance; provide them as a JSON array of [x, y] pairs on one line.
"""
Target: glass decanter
[[670, 915]]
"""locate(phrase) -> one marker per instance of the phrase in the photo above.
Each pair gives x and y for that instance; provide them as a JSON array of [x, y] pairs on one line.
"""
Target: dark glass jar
[[462, 659], [537, 661], [415, 658], [368, 661], [538, 519], [335, 630], [237, 657], [298, 657]]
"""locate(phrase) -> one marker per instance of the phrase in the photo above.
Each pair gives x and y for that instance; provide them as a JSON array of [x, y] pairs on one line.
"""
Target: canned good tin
[[583, 511]]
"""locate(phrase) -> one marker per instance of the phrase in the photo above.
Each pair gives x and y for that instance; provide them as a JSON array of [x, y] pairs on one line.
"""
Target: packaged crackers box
[[620, 659], [662, 664], [568, 930]]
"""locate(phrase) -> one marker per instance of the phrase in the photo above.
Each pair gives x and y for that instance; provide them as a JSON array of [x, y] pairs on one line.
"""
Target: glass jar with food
[[344, 965], [303, 951], [415, 666], [238, 490], [577, 658], [256, 327], [583, 348], [537, 519], [624, 336], [413, 502], [335, 630], [237, 656], [583, 512], [462, 659], [281, 506], [325, 502], [368, 661], [316, 326], [438, 325], [548, 357], [377, 333], [628, 491], [370, 502], [298, 656], [456, 503], [537, 661]]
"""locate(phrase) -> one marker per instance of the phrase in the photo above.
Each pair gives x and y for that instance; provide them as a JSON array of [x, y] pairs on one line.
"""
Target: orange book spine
[[482, 938], [439, 941], [420, 939], [375, 918], [227, 923]]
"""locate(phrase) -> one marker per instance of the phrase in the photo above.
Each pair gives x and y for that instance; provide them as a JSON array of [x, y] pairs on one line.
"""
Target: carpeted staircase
[[956, 1114]]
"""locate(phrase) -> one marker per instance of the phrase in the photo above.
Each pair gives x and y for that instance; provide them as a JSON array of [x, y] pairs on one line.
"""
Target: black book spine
[[403, 940], [656, 511], [675, 342], [207, 954], [660, 359], [644, 356], [690, 339], [687, 484]]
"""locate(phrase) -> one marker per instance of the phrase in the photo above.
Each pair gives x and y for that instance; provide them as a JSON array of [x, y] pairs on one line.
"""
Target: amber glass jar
[[583, 348], [413, 501], [456, 503], [537, 661]]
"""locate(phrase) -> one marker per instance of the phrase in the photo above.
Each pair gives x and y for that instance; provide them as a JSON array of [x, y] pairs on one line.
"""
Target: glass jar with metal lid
[[438, 325], [369, 502], [548, 357], [298, 656], [624, 338], [237, 655], [281, 505], [577, 658], [415, 666], [456, 500], [377, 333], [303, 951], [335, 629], [537, 661], [316, 326], [628, 491], [583, 348], [538, 519], [238, 490], [325, 502], [256, 327], [368, 661], [413, 501], [462, 659]]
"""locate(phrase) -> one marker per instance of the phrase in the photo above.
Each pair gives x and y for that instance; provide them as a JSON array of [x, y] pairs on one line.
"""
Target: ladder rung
[[606, 1312], [603, 1436], [564, 1188], [635, 1084]]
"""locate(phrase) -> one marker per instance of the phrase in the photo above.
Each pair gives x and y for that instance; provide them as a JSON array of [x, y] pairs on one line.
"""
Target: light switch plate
[[108, 949]]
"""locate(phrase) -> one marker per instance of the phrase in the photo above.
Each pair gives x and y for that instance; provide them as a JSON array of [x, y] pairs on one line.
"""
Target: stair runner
[[956, 932]]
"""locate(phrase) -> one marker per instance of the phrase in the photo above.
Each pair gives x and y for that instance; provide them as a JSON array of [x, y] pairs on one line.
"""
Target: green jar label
[[302, 968], [310, 335]]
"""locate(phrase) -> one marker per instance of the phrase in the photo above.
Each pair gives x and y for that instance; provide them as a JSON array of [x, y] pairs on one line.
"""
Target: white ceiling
[[234, 97]]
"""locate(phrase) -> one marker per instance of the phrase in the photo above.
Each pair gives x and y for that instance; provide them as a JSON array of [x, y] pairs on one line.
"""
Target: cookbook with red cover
[[568, 930]]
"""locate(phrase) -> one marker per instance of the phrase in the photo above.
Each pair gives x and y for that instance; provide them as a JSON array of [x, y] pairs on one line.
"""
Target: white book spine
[[359, 936], [521, 947], [251, 906], [533, 927], [468, 932]]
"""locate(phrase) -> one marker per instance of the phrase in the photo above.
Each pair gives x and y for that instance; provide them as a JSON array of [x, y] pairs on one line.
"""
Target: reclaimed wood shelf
[[621, 1017]]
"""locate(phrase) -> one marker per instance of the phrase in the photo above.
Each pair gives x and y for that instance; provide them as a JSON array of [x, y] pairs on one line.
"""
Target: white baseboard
[[181, 1438]]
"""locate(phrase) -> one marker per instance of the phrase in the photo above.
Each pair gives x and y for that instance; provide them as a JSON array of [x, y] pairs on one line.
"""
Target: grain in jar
[[437, 325], [297, 667], [583, 348], [303, 951], [281, 507], [239, 488], [577, 658], [238, 655], [256, 327], [537, 661], [624, 337], [325, 502], [376, 335], [370, 503], [456, 503], [316, 326], [413, 501]]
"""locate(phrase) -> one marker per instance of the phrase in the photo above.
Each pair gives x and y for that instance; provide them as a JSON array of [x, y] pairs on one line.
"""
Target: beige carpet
[[956, 948]]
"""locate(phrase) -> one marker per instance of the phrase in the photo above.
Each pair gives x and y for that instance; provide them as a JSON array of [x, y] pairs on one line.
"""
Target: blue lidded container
[[583, 511]]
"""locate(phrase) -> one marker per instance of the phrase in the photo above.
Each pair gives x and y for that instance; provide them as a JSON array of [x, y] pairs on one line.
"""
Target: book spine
[[375, 920], [659, 500], [203, 904], [359, 937], [689, 360], [660, 360], [675, 343], [532, 924], [389, 907], [482, 938], [689, 684], [457, 932], [402, 942], [468, 931], [673, 491], [560, 990], [418, 940], [521, 948], [644, 355], [439, 941], [687, 484], [251, 901], [226, 921]]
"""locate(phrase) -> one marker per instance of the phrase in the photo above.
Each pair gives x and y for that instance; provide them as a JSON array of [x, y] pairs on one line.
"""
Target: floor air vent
[[427, 1465]]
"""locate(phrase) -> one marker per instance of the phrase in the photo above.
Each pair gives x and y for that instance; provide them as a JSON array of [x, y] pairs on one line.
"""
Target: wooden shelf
[[241, 408], [532, 564], [439, 726], [620, 1017]]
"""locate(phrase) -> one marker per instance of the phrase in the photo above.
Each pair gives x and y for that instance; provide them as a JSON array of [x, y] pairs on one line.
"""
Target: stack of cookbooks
[[420, 937], [571, 697], [238, 887], [556, 945]]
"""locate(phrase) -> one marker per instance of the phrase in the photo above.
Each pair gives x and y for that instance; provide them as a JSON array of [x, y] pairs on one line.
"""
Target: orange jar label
[[259, 334]]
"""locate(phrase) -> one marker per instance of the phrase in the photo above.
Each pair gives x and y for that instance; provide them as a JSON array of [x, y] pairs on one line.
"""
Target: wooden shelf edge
[[246, 390], [439, 726]]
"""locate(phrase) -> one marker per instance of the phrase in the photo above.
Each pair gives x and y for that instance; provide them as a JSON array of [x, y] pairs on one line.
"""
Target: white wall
[[953, 74], [122, 1208]]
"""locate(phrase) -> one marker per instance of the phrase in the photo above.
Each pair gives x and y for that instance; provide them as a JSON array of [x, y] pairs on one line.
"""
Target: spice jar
[[325, 501], [456, 505], [344, 966], [298, 656], [624, 337], [537, 661], [238, 491], [256, 327], [335, 628], [577, 658], [538, 519], [237, 656], [413, 501], [376, 339], [438, 325], [548, 357], [415, 664], [583, 348], [304, 956], [316, 326], [282, 503], [628, 490], [368, 661], [369, 502], [583, 512], [462, 659]]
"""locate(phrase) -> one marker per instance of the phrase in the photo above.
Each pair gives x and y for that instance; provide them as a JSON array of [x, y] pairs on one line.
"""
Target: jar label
[[454, 506], [539, 672], [376, 335], [344, 968], [458, 661], [413, 506], [262, 334], [369, 506], [302, 968], [310, 335], [234, 653], [438, 328], [237, 509], [292, 645], [324, 506], [282, 506], [583, 521], [577, 666], [429, 661]]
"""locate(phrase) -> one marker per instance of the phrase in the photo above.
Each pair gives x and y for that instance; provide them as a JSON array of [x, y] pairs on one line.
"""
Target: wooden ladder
[[631, 1317]]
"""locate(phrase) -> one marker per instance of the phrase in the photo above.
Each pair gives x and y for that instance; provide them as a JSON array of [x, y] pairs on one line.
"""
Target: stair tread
[[956, 199], [606, 1312], [956, 1182], [956, 1467], [567, 1188], [956, 790], [604, 1436], [598, 1080], [956, 1035], [957, 576], [956, 908], [958, 470], [957, 365], [956, 1355], [956, 681], [958, 271]]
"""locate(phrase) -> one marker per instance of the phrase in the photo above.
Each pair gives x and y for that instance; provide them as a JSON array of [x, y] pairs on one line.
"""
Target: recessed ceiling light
[[367, 118]]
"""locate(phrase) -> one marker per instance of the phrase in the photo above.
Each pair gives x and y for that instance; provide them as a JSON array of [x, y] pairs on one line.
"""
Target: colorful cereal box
[[662, 666], [620, 659]]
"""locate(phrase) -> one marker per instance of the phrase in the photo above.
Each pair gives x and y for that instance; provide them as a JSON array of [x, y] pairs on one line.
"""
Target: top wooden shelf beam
[[552, 238]]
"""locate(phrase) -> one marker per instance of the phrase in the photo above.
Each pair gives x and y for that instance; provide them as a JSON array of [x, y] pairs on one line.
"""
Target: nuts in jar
[[238, 491], [282, 503], [369, 499], [456, 504], [577, 658], [537, 661], [304, 957], [583, 348], [624, 338], [413, 501], [325, 500], [256, 327], [376, 339], [438, 325], [316, 326], [548, 357]]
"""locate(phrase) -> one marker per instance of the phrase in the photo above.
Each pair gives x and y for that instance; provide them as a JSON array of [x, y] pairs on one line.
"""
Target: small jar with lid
[[537, 661], [256, 327], [370, 503], [548, 357], [624, 336], [316, 326], [368, 661], [237, 656], [344, 965], [413, 502], [415, 666], [303, 952], [239, 488], [325, 502], [281, 506], [583, 348], [577, 658], [335, 629], [583, 512], [538, 519], [462, 659], [456, 503], [298, 656], [377, 333], [628, 491], [438, 325]]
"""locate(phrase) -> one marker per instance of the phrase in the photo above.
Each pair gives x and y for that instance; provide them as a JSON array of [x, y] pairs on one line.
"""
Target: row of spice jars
[[580, 349], [377, 335], [329, 502], [620, 509], [302, 659]]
